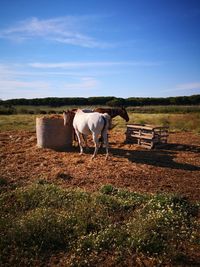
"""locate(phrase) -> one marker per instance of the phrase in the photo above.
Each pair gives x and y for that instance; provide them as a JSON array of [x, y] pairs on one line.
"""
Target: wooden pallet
[[148, 136]]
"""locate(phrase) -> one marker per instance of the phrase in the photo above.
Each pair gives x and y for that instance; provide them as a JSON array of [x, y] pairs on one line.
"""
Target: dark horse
[[113, 112]]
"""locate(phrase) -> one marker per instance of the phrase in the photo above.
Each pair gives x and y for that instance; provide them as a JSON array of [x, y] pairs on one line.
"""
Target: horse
[[113, 112], [89, 123]]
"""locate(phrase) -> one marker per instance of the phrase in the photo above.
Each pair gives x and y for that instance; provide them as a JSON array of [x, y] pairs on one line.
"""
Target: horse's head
[[68, 116], [124, 114]]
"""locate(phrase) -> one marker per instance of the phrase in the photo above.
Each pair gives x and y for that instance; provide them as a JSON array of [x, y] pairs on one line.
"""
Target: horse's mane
[[79, 110]]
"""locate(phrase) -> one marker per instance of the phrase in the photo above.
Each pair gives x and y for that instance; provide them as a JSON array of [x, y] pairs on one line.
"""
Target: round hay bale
[[52, 133]]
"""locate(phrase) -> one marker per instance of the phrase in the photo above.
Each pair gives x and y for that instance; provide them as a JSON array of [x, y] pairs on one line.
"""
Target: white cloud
[[63, 79], [14, 84], [184, 87], [67, 65], [84, 83], [17, 82], [66, 30], [23, 89], [23, 70], [188, 86]]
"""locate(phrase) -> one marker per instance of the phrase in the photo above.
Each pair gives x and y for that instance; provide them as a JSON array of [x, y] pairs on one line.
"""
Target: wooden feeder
[[52, 133], [148, 136]]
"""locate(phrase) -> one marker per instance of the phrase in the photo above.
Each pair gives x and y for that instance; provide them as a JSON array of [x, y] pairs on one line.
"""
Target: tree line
[[103, 101]]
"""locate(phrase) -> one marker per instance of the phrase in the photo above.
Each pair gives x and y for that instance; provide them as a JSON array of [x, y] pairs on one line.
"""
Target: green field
[[176, 122]]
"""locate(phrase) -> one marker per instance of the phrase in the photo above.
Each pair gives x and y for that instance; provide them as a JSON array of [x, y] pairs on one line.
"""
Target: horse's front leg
[[75, 139], [79, 141], [96, 144]]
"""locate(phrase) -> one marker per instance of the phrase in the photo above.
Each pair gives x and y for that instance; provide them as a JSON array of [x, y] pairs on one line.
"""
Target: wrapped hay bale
[[52, 133]]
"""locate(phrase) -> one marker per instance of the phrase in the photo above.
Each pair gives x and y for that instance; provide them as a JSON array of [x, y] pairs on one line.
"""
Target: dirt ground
[[173, 169]]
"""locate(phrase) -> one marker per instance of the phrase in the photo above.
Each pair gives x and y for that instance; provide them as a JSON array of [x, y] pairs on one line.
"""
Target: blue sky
[[122, 48]]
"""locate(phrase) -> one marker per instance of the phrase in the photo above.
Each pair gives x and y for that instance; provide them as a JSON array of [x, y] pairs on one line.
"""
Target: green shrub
[[107, 189]]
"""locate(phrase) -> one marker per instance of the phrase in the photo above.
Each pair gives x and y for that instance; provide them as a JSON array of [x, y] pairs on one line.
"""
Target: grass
[[176, 122], [17, 122], [181, 109], [43, 222]]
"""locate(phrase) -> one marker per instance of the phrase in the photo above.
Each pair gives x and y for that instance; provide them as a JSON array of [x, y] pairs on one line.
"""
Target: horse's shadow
[[158, 157]]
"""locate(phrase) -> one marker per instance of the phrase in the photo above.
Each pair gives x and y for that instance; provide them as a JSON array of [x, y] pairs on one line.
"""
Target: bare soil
[[172, 169]]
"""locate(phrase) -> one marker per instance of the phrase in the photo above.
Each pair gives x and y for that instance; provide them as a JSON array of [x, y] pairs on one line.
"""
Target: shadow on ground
[[181, 147], [164, 157], [158, 158]]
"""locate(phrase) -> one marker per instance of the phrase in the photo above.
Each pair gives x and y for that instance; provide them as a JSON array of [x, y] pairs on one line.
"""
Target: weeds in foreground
[[44, 222]]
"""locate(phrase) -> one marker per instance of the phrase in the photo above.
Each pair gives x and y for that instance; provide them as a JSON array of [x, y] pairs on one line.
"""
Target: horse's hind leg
[[96, 144], [79, 141], [105, 139], [101, 141], [85, 140]]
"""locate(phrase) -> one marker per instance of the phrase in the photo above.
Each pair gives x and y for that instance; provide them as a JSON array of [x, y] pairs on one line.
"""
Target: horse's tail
[[106, 119]]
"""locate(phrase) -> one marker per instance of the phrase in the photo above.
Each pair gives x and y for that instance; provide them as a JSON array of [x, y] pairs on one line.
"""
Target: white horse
[[89, 123]]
